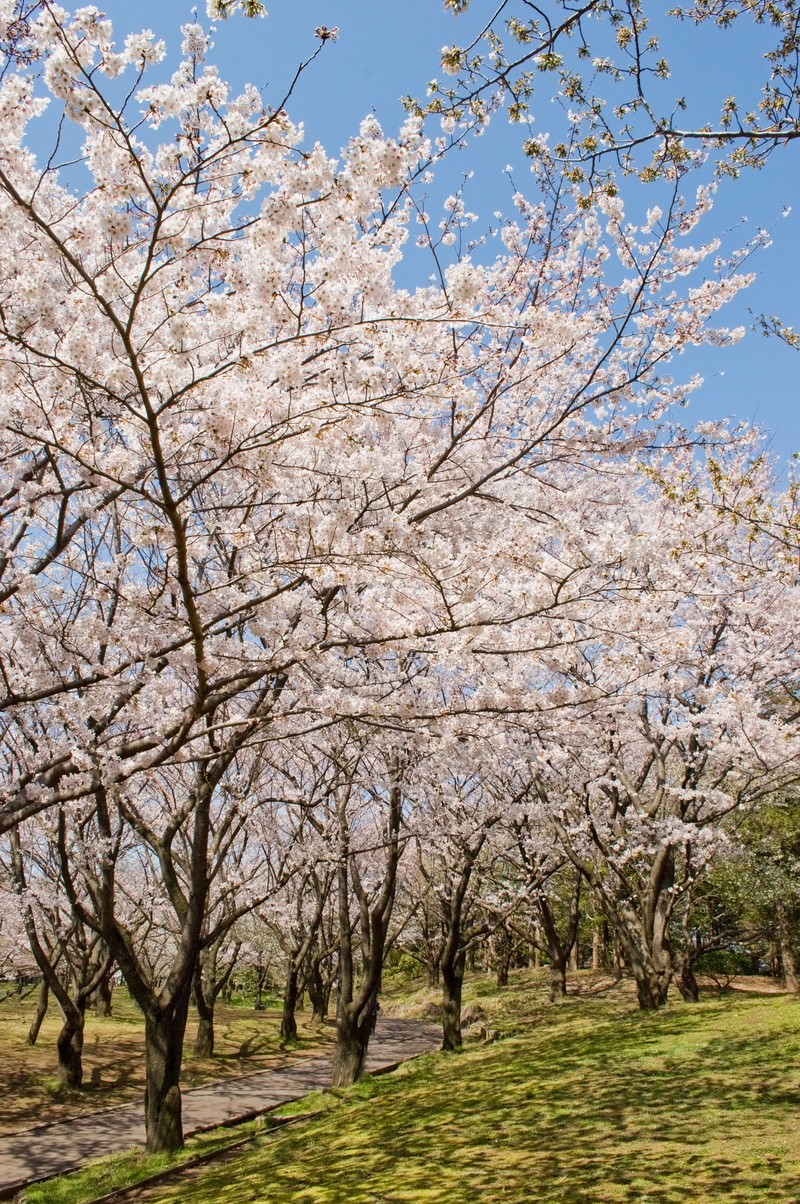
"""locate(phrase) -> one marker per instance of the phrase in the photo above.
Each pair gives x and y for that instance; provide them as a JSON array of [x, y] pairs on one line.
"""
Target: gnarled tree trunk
[[561, 948], [353, 1031], [557, 975], [164, 1036], [502, 952], [69, 1043], [652, 980]]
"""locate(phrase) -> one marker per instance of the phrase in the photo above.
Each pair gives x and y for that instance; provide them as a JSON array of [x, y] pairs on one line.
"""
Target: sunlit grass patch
[[593, 1102], [113, 1057]]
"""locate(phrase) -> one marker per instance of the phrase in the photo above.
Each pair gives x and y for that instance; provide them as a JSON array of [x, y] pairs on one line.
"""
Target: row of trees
[[515, 839], [343, 609]]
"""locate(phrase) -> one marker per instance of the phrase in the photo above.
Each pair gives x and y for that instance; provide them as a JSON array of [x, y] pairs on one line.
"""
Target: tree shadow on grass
[[684, 1105]]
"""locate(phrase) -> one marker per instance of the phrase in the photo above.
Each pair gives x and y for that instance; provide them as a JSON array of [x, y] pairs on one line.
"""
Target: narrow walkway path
[[56, 1148]]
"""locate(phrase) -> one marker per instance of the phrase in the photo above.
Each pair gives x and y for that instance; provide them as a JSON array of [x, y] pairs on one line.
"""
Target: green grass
[[105, 1175], [588, 1101]]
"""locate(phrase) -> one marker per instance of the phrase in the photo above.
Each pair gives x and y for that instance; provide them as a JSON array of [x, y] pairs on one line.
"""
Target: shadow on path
[[56, 1148]]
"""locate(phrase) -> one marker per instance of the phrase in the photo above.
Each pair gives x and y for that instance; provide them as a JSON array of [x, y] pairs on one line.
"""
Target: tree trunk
[[650, 959], [70, 1046], [557, 976], [652, 985], [290, 997], [503, 950], [559, 951], [319, 992], [204, 1039], [163, 1054], [791, 977], [687, 983], [320, 1011], [358, 1009], [452, 985], [102, 998], [40, 1013], [164, 1035], [261, 982], [655, 955], [599, 940], [618, 960], [352, 1041]]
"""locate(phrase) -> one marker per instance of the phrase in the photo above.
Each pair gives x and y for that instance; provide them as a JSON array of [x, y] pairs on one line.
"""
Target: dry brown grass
[[246, 1041]]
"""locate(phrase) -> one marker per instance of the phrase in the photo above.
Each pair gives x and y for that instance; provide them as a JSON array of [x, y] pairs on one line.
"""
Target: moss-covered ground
[[587, 1101]]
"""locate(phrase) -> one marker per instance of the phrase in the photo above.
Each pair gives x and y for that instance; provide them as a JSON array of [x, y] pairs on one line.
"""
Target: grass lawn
[[246, 1041], [587, 1101]]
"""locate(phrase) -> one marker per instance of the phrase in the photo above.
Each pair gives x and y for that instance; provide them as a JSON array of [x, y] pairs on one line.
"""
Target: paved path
[[54, 1149]]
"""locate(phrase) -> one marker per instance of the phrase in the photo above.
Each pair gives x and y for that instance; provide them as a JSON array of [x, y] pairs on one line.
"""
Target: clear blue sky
[[391, 47]]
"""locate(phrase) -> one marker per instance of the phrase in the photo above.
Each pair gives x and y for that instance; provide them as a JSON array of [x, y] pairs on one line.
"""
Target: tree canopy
[[338, 612]]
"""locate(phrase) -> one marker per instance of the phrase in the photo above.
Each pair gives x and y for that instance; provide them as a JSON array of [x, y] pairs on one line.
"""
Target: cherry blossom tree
[[297, 838], [368, 803], [682, 731], [457, 814], [552, 891], [142, 324], [70, 956], [214, 971], [253, 490]]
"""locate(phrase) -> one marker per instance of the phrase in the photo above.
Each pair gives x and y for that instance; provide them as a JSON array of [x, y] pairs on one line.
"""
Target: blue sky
[[388, 48]]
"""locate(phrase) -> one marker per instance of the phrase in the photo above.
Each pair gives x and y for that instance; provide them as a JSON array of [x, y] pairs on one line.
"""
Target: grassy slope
[[587, 1102]]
